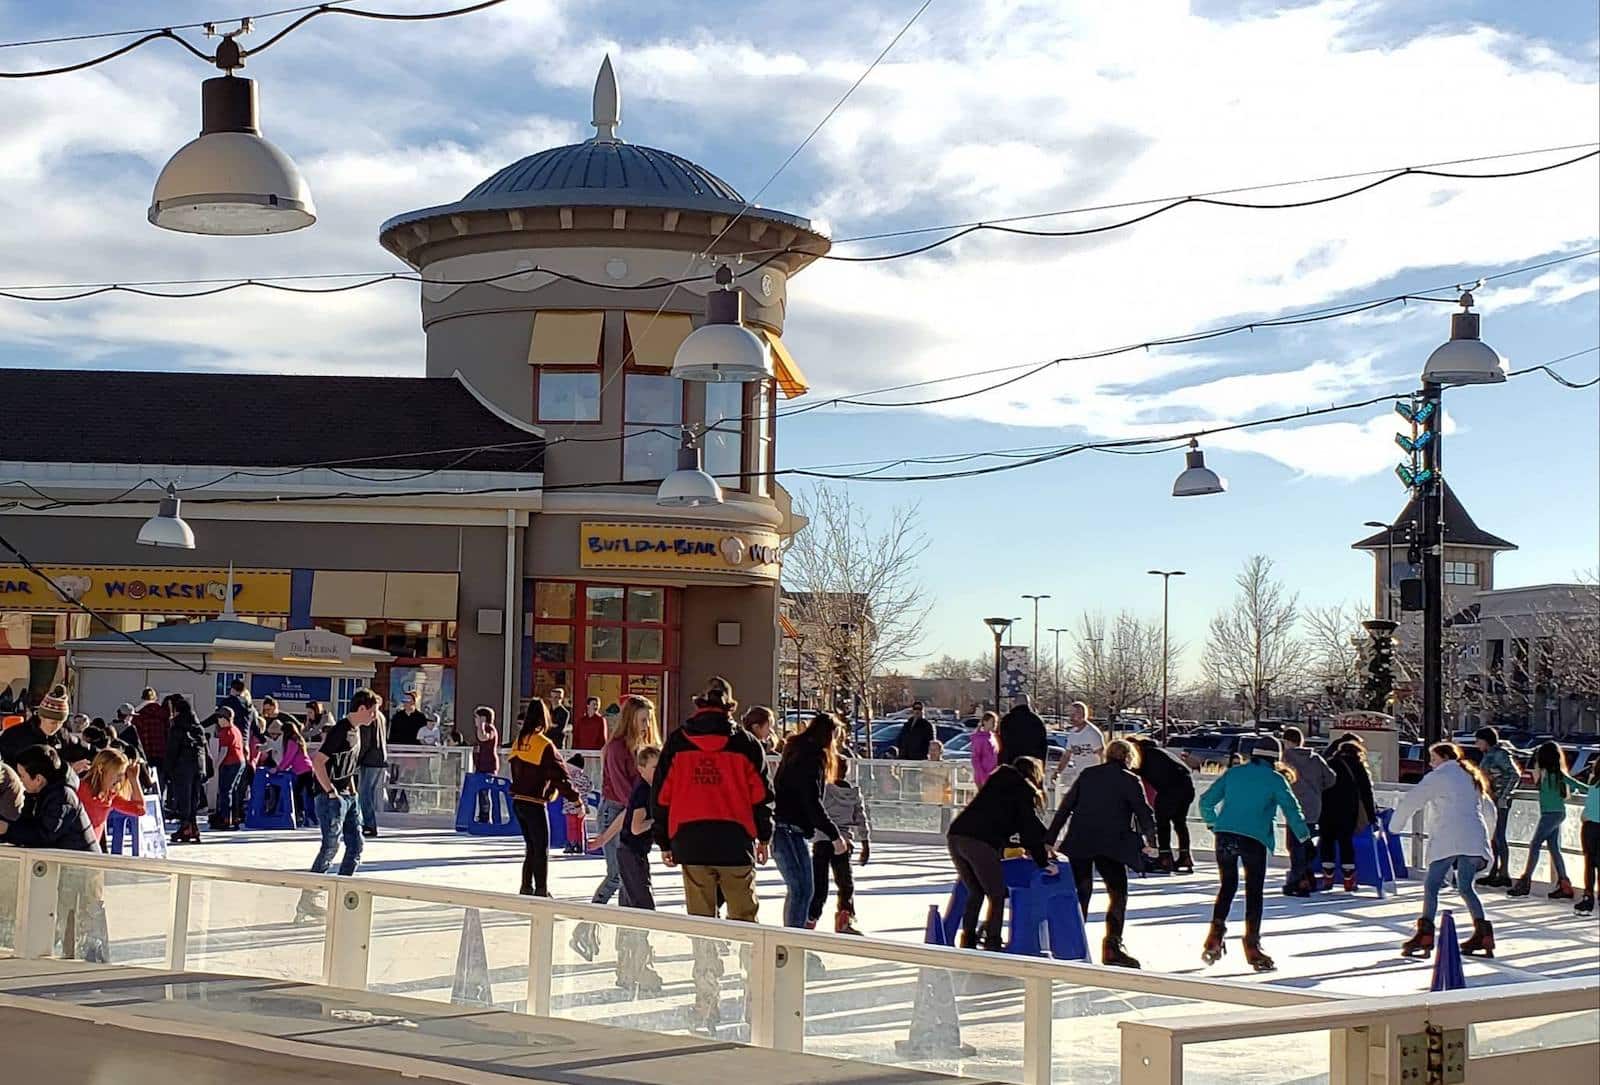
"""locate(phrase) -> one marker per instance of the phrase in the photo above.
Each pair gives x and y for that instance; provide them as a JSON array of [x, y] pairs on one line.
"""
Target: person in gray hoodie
[[845, 807], [1312, 776]]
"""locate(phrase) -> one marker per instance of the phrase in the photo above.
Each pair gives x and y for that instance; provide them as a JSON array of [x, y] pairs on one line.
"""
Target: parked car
[[1213, 748], [885, 737]]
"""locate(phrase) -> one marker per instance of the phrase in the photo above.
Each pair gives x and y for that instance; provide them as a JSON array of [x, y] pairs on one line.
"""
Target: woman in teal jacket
[[1239, 808]]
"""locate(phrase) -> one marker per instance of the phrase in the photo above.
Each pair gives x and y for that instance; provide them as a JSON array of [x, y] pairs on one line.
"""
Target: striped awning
[[788, 627]]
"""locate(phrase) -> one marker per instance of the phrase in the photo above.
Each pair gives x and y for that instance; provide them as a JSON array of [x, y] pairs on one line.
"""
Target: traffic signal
[[1423, 414]]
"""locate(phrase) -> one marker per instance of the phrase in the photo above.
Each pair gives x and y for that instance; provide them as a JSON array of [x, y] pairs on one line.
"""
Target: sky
[[983, 110]]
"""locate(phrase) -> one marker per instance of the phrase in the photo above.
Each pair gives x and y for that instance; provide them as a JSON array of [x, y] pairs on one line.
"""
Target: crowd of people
[[706, 797]]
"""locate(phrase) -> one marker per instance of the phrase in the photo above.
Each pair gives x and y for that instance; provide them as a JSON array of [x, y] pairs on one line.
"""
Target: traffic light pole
[[1433, 575]]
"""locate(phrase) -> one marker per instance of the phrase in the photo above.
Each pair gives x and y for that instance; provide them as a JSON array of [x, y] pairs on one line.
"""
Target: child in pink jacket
[[985, 751]]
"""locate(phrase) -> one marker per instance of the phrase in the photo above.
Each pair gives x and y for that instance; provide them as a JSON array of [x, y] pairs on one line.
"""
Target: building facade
[[493, 525]]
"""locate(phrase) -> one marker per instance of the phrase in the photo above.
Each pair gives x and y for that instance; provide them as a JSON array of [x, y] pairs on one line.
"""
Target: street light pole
[[1388, 569], [1058, 633], [1033, 664], [799, 671], [998, 627], [1166, 580]]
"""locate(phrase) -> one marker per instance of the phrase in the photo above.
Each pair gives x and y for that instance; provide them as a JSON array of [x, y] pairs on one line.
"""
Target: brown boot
[[1419, 944], [1482, 940]]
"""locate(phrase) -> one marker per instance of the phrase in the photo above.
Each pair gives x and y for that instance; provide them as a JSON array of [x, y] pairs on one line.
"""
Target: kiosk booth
[[1378, 731]]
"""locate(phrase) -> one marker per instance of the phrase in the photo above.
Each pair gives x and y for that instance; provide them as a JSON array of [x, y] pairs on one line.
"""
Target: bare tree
[[1570, 643], [1117, 663], [1336, 647], [1253, 650], [854, 584]]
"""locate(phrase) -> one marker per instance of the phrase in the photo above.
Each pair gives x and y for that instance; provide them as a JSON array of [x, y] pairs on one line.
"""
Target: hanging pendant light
[[689, 486], [1464, 358], [230, 180], [723, 349], [1197, 479], [167, 528]]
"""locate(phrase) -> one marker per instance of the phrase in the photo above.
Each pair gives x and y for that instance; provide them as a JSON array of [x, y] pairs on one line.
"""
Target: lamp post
[[1011, 630], [1057, 651], [1166, 581], [799, 671], [1464, 358], [1033, 664], [1388, 566], [998, 626]]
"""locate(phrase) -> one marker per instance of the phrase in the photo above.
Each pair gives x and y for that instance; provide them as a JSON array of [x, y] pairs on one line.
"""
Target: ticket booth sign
[[1377, 730]]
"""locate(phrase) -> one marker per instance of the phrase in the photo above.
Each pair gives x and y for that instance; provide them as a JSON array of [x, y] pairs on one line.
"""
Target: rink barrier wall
[[777, 977]]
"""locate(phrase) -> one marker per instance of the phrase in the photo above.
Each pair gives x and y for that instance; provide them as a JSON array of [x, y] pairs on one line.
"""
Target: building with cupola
[[508, 541]]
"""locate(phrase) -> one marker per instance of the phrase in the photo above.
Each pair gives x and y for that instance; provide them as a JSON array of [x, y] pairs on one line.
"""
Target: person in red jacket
[[589, 730], [230, 766], [712, 806]]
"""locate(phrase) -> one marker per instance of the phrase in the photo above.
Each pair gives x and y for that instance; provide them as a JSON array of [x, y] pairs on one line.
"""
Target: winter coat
[[797, 790], [245, 716], [27, 734], [1460, 818], [1348, 804], [1312, 776], [985, 756], [375, 743], [710, 798], [1249, 796], [1006, 806], [844, 806], [1099, 812], [1022, 734], [916, 737], [151, 721], [1501, 768], [186, 746], [1164, 771], [405, 726], [537, 772], [53, 818]]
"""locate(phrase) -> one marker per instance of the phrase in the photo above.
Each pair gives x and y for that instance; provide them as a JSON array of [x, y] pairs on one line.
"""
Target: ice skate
[[1521, 887], [1215, 947], [308, 909], [1256, 957], [1419, 944], [1585, 905], [1112, 952], [1482, 940], [1562, 890], [844, 922]]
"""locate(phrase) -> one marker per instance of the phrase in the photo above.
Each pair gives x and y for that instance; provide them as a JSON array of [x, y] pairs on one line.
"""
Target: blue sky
[[983, 110]]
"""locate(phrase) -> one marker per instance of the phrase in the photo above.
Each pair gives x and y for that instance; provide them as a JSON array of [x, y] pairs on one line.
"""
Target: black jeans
[[1172, 813], [822, 861], [979, 870], [1233, 849], [535, 824], [1344, 838], [1115, 875], [1589, 836], [633, 870]]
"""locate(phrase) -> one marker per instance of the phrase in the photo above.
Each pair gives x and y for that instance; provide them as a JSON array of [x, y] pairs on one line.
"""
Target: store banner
[[291, 688], [144, 590], [435, 687], [1014, 670], [670, 548]]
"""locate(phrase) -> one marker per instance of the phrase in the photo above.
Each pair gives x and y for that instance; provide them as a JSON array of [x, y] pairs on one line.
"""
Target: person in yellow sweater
[[538, 777]]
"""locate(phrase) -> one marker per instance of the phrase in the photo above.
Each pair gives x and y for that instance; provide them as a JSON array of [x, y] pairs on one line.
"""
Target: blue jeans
[[1467, 868], [228, 792], [1502, 850], [370, 787], [609, 809], [791, 850], [1548, 831], [338, 816]]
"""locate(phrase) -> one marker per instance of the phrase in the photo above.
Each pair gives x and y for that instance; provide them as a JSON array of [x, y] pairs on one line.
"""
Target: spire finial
[[607, 104]]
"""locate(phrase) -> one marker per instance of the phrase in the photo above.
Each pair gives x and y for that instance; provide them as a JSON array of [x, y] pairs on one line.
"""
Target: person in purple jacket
[[985, 750]]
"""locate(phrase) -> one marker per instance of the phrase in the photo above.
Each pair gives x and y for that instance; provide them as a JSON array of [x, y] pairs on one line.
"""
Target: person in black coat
[[1173, 784], [1007, 805], [33, 731], [52, 815], [1099, 813], [916, 736], [809, 760], [1347, 806], [185, 768], [1022, 734]]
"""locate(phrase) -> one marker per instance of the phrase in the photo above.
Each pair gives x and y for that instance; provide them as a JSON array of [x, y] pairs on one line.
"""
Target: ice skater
[[1460, 828], [1550, 773], [1007, 805]]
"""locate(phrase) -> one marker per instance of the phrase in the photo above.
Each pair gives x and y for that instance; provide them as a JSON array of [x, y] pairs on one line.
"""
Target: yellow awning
[[654, 340], [791, 380], [788, 627], [566, 338]]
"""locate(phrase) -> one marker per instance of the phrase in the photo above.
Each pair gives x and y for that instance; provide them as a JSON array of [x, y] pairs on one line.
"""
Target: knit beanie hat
[[1268, 748], [54, 705]]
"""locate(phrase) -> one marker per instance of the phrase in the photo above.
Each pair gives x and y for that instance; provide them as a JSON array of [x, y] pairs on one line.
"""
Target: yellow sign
[[112, 590], [674, 548]]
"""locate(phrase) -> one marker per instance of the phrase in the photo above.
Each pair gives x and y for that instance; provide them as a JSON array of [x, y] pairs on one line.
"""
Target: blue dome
[[612, 167]]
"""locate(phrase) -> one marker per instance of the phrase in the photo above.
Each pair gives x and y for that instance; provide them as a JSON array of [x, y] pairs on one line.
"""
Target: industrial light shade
[[689, 486], [723, 349], [166, 528], [998, 625], [231, 181], [1464, 358], [1197, 479]]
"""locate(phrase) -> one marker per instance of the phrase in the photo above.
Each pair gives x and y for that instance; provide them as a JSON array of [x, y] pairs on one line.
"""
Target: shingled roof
[[258, 420], [1459, 527]]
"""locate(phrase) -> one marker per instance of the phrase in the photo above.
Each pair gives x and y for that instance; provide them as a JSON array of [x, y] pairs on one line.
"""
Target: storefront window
[[552, 643], [645, 645], [569, 397], [724, 439], [762, 425], [653, 419], [605, 604], [553, 599], [629, 645], [647, 604], [605, 644]]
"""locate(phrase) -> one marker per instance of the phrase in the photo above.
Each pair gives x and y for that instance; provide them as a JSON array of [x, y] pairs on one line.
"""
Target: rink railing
[[159, 894], [1389, 1040]]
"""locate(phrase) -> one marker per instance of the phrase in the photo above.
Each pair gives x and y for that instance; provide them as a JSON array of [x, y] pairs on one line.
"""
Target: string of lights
[[286, 283], [170, 33]]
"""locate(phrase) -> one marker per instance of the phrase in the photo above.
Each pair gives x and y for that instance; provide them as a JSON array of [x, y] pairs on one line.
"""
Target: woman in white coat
[[1460, 828]]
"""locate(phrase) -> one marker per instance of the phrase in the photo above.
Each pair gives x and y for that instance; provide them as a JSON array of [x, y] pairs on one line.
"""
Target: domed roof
[[610, 167]]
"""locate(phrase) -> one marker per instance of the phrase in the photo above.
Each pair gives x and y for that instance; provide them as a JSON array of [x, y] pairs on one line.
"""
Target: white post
[[178, 924], [1038, 1010], [510, 626], [777, 993], [348, 939], [1150, 1055], [541, 960], [38, 891], [1349, 1056]]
